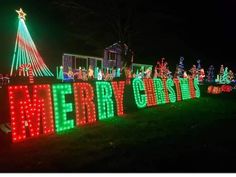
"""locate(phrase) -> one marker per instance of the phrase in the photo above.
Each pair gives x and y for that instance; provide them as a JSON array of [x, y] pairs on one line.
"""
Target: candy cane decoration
[[27, 68]]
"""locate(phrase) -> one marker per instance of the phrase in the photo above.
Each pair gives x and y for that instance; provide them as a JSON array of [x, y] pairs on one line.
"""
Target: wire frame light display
[[25, 51]]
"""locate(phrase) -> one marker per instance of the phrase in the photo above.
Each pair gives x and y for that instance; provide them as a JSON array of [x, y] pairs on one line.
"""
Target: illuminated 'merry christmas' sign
[[45, 109]]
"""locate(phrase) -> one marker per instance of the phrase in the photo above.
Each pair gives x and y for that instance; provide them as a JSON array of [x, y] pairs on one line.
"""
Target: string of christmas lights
[[25, 51]]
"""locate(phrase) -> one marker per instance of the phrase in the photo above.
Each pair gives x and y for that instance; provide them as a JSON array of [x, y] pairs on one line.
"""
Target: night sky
[[153, 29]]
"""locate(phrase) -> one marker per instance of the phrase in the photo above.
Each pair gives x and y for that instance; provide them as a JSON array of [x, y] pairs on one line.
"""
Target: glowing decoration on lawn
[[27, 70], [201, 75], [33, 114], [160, 92], [90, 72], [172, 95], [31, 106], [138, 87], [216, 90], [184, 85], [220, 74], [150, 92], [219, 89], [209, 89], [118, 72], [60, 75], [162, 70], [25, 51], [4, 79], [185, 75], [140, 71], [226, 88], [128, 75], [104, 100], [148, 72], [179, 72], [231, 75], [119, 88], [224, 79], [100, 75], [193, 71], [200, 71], [197, 90], [61, 108], [84, 103], [191, 87], [166, 91], [177, 87], [221, 70], [96, 72]]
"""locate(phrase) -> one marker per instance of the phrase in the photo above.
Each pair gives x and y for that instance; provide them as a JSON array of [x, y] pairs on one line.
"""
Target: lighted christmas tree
[[61, 75], [118, 72], [96, 72], [210, 74], [224, 79], [25, 51]]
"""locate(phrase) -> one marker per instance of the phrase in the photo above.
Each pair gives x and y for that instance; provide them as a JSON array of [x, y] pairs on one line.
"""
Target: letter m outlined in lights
[[30, 114]]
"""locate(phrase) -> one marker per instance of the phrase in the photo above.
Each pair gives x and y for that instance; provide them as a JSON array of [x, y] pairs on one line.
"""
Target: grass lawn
[[190, 136]]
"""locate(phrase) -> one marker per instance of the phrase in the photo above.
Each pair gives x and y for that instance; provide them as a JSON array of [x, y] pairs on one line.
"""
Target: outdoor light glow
[[32, 111], [166, 91], [178, 91], [25, 51], [119, 88], [87, 89], [21, 14], [84, 103], [61, 108], [170, 85], [27, 112], [160, 92], [197, 90], [191, 88], [42, 104], [150, 92], [184, 88], [27, 70], [104, 100], [138, 87]]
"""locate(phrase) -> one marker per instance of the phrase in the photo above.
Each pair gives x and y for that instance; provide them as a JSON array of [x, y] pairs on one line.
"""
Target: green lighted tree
[[224, 79]]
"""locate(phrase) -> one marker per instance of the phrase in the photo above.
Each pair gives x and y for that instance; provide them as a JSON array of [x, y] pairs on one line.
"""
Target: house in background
[[117, 55], [74, 62]]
